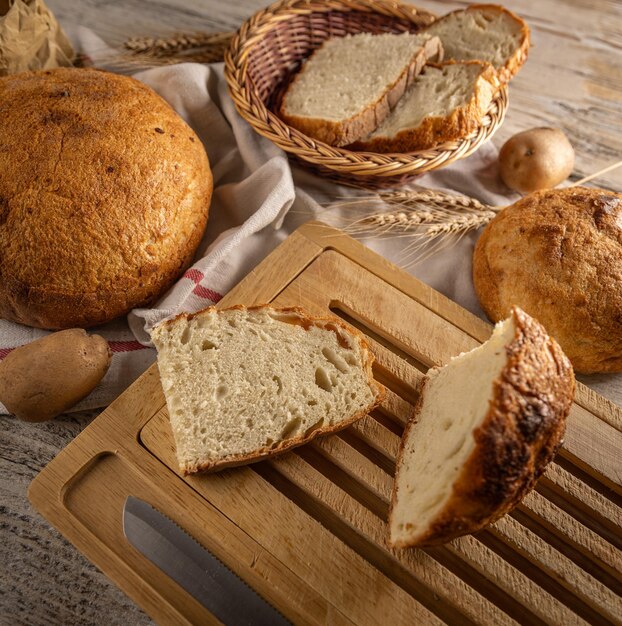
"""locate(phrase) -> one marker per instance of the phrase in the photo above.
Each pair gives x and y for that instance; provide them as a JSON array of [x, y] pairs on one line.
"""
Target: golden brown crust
[[558, 255], [362, 124], [435, 129], [103, 199], [300, 317], [515, 62], [519, 436]]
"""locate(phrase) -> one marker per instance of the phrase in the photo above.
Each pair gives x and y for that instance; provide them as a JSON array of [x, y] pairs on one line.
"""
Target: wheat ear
[[429, 220], [176, 48]]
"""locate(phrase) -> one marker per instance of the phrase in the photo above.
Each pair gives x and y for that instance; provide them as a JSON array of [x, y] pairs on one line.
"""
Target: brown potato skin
[[539, 158], [42, 379]]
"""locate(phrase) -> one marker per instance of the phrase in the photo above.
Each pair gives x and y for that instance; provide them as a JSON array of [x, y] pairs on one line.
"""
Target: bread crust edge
[[436, 130], [518, 438], [360, 125], [329, 322]]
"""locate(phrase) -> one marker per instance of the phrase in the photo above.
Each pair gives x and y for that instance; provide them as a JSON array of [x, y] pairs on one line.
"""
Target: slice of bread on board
[[350, 84], [243, 383], [484, 429], [445, 102], [484, 32]]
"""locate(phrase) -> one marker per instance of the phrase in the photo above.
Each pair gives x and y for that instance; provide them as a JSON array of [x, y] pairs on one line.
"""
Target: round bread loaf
[[104, 196], [557, 254]]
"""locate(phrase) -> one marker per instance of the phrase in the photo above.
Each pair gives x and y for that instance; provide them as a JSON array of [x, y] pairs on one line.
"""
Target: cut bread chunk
[[350, 84], [445, 102], [484, 32], [243, 384], [484, 428]]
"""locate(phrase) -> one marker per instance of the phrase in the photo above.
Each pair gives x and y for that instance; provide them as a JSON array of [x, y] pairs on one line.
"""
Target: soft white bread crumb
[[241, 384], [444, 103], [484, 33], [349, 84], [456, 402], [485, 427]]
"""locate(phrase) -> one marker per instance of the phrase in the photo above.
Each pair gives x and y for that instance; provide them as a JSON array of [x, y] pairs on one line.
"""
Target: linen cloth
[[259, 199]]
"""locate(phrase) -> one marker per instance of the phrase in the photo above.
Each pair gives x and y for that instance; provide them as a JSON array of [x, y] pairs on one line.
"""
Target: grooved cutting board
[[307, 530]]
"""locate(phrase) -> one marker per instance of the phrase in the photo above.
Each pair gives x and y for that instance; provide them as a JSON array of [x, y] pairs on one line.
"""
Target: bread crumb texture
[[242, 384], [484, 32], [444, 103], [485, 427], [104, 196]]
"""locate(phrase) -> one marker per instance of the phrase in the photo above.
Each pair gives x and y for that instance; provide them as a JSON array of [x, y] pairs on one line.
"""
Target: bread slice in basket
[[243, 383], [350, 84], [484, 32], [485, 427], [444, 103]]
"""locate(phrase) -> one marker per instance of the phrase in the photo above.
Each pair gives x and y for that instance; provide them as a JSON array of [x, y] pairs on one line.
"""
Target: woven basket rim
[[340, 160]]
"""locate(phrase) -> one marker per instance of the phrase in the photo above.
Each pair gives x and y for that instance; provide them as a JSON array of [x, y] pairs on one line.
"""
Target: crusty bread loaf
[[485, 427], [484, 32], [104, 196], [444, 103], [558, 255], [243, 384], [350, 84]]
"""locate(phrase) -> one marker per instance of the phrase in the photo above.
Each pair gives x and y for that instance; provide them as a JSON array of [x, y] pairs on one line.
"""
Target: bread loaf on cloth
[[484, 429], [557, 254], [243, 384], [104, 196]]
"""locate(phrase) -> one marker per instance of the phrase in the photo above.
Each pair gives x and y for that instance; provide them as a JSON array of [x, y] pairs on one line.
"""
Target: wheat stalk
[[176, 48], [430, 220], [203, 43]]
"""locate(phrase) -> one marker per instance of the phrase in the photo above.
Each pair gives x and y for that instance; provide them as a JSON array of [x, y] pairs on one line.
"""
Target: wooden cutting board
[[307, 530]]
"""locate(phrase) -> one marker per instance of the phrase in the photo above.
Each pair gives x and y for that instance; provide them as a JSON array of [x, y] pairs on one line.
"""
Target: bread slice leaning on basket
[[350, 84], [484, 429], [446, 102], [243, 383], [484, 32]]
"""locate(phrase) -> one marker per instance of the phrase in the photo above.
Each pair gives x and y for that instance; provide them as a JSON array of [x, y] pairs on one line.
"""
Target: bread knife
[[194, 568]]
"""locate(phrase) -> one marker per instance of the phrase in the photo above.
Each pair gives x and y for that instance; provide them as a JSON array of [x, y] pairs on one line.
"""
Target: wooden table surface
[[573, 79]]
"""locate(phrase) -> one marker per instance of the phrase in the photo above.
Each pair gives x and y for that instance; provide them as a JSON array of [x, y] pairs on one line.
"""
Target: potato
[[42, 379], [539, 158]]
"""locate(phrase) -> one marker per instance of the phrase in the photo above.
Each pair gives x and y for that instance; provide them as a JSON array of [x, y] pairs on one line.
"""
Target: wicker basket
[[270, 47]]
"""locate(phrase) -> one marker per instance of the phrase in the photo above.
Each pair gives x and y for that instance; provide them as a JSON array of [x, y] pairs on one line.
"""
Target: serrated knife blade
[[196, 569]]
